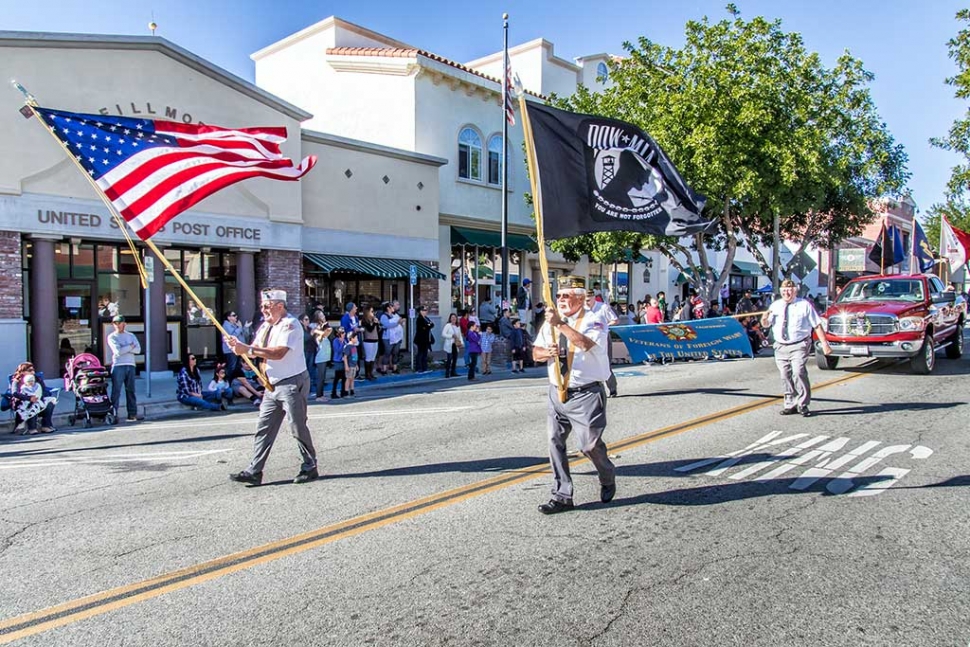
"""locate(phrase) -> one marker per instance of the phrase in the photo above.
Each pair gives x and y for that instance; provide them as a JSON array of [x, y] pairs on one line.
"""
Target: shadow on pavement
[[74, 450], [500, 464]]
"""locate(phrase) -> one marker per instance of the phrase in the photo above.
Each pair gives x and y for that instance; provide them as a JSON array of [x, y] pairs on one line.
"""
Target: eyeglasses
[[267, 305], [566, 295], [191, 359]]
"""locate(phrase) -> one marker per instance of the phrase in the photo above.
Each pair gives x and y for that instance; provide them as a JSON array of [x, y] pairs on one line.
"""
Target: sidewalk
[[162, 402]]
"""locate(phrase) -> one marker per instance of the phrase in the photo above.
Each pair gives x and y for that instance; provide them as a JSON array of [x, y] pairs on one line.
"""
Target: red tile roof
[[400, 52]]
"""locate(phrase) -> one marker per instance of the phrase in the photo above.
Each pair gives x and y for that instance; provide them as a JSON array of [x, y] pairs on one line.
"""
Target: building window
[[469, 155], [495, 160], [602, 72]]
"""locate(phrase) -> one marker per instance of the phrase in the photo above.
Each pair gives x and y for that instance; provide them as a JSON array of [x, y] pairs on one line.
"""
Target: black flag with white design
[[600, 174]]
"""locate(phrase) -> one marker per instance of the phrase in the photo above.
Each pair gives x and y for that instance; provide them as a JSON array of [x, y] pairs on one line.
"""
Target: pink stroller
[[88, 380]]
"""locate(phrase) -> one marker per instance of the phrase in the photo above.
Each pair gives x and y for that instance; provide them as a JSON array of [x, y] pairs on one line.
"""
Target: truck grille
[[867, 325]]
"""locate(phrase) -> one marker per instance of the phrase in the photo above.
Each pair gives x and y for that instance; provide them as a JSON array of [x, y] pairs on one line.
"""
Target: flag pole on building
[[30, 110], [508, 116]]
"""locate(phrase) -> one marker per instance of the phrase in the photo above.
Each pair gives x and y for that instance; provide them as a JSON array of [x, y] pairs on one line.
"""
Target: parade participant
[[124, 346], [605, 313], [792, 320], [576, 340], [653, 313], [279, 341]]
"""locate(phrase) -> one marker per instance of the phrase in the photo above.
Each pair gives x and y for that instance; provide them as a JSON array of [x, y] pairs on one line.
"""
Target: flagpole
[[31, 103], [505, 163], [530, 155]]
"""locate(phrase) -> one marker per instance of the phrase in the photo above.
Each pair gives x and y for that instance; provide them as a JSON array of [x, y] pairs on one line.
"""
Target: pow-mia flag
[[600, 174]]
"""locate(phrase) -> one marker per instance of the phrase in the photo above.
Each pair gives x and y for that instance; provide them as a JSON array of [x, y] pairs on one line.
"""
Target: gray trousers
[[585, 413], [287, 399], [792, 360]]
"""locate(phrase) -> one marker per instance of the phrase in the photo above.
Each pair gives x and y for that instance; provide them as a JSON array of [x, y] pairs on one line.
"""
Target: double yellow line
[[117, 598]]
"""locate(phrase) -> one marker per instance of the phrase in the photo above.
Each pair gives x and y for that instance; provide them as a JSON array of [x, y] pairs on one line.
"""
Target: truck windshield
[[882, 290]]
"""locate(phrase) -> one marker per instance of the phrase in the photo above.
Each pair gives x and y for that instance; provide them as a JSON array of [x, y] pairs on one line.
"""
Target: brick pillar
[[282, 269], [12, 286], [44, 321]]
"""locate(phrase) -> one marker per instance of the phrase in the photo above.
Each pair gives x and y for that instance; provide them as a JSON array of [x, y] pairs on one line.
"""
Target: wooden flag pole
[[31, 103], [533, 165]]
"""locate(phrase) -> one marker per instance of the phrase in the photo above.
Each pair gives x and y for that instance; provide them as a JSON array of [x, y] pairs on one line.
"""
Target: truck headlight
[[911, 324]]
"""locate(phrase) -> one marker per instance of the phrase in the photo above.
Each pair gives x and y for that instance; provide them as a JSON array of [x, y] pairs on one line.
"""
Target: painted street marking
[[826, 463], [119, 458]]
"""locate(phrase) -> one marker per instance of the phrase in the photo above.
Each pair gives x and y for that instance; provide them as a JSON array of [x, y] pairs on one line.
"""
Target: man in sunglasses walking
[[279, 343]]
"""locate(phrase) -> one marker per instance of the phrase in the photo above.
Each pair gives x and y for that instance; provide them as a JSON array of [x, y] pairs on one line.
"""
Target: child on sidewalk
[[220, 385], [488, 339], [350, 361], [517, 341], [474, 339]]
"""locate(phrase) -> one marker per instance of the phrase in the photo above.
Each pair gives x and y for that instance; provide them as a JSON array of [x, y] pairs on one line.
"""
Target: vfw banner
[[692, 339]]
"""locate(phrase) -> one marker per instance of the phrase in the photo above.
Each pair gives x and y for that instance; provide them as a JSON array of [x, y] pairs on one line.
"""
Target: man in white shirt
[[576, 339], [792, 321], [279, 342]]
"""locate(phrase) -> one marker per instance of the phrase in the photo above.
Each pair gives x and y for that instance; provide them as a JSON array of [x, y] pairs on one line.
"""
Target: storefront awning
[[483, 238], [688, 274], [387, 268], [747, 268]]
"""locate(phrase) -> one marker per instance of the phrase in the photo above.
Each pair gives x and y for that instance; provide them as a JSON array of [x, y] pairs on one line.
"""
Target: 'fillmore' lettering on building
[[184, 227], [146, 110]]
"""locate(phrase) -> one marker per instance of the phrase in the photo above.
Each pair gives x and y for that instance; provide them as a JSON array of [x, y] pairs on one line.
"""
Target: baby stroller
[[88, 380]]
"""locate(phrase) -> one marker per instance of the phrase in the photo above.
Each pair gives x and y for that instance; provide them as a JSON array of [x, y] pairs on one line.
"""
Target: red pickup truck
[[894, 316]]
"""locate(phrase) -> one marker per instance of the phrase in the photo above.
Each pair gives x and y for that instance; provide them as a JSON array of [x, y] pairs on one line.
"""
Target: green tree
[[956, 206], [758, 124]]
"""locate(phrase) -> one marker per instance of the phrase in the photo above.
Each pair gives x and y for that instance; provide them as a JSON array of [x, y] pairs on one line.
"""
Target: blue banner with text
[[694, 339]]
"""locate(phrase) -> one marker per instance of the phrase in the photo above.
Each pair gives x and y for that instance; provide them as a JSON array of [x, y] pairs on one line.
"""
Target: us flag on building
[[509, 111], [152, 170]]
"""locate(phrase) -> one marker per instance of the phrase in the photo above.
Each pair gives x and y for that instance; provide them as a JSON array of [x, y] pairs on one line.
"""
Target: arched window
[[469, 155], [495, 160], [602, 72]]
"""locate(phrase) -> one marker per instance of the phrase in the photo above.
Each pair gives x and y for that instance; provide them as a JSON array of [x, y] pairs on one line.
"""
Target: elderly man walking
[[792, 320], [279, 342]]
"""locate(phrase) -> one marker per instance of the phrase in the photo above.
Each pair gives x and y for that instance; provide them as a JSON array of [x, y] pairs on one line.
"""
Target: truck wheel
[[923, 362], [955, 349], [826, 362]]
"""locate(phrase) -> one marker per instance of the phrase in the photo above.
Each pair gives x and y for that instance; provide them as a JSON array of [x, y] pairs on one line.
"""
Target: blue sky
[[902, 42]]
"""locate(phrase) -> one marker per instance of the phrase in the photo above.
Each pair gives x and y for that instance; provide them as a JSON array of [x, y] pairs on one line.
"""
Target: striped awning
[[386, 268]]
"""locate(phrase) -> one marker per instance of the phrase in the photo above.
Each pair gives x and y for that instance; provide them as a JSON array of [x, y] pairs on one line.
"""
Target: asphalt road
[[732, 525]]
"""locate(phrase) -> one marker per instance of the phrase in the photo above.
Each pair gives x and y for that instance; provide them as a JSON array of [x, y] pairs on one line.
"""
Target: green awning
[[483, 238], [387, 268], [688, 274], [746, 267]]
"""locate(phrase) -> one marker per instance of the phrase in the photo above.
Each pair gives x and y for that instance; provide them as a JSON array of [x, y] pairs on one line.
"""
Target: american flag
[[509, 112], [153, 170]]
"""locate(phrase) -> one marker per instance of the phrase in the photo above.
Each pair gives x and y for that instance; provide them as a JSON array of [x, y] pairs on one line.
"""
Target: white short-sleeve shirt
[[588, 366], [285, 332]]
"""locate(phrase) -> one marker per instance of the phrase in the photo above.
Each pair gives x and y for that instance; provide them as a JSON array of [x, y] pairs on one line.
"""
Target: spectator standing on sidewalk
[[474, 342], [124, 346], [279, 342], [523, 301], [324, 357], [392, 325], [235, 328], [339, 374], [451, 342], [371, 336], [517, 344], [487, 314], [423, 339], [488, 339], [350, 353]]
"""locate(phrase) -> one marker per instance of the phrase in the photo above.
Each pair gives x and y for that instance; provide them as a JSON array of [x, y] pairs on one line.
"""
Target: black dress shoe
[[805, 412], [246, 477], [607, 492], [305, 476], [554, 506], [613, 394], [788, 412]]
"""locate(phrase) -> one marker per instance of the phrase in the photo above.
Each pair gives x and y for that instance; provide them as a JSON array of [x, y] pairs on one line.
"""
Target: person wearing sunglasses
[[279, 343]]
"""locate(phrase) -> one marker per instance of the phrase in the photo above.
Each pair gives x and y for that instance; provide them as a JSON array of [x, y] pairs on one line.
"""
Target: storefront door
[[202, 337], [75, 309]]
